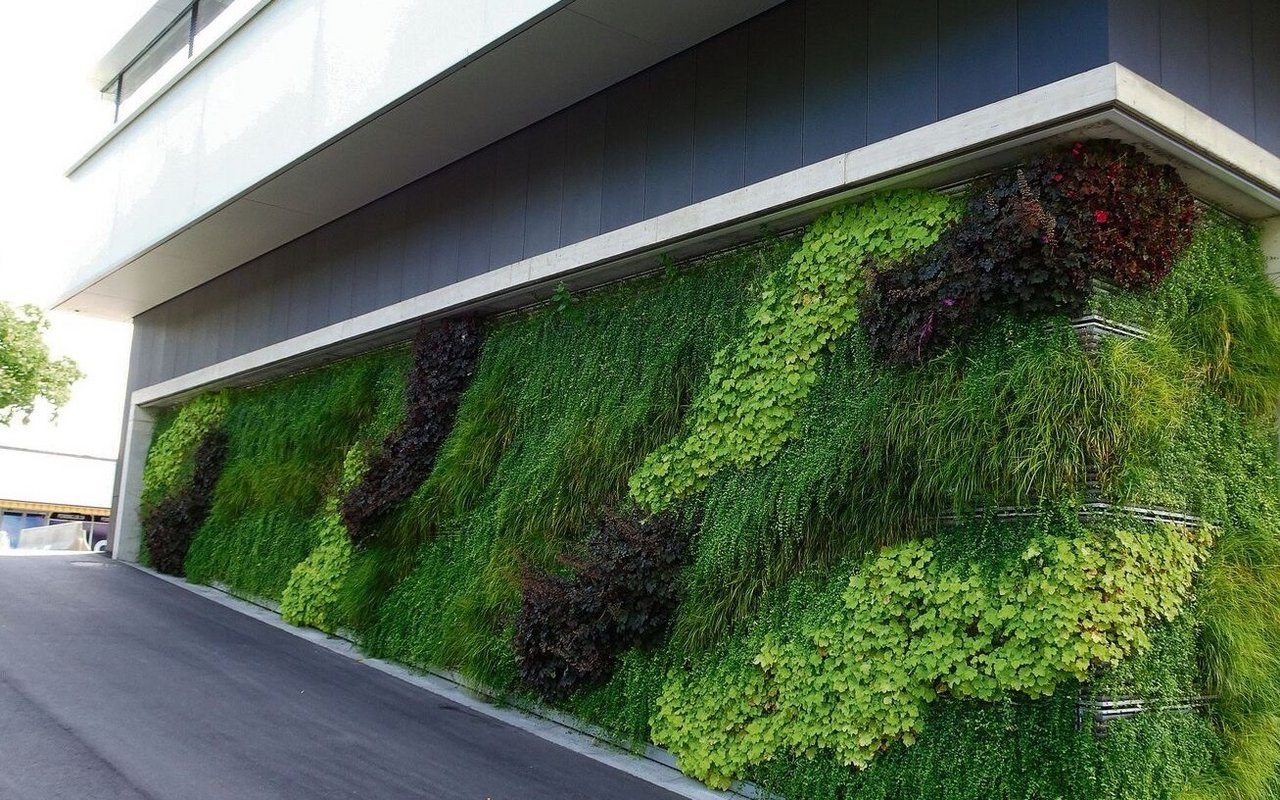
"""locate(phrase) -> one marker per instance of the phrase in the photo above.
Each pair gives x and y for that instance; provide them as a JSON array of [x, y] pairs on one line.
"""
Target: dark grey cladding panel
[[1056, 40], [802, 82], [775, 92], [510, 192], [1184, 50], [1221, 56], [622, 183], [720, 115], [668, 165], [1266, 73], [581, 197], [977, 54], [546, 185], [902, 66]]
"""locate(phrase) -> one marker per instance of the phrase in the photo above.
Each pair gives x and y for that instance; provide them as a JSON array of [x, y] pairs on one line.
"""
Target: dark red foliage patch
[[444, 359], [171, 525], [1131, 216], [570, 631], [1031, 241]]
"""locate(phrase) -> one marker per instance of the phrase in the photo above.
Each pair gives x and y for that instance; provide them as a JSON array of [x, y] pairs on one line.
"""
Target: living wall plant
[[831, 604]]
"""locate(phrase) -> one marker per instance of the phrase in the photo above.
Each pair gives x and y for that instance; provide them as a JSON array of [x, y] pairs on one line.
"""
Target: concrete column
[[126, 528]]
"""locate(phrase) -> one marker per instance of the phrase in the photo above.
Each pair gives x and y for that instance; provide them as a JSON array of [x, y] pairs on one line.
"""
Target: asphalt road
[[114, 684]]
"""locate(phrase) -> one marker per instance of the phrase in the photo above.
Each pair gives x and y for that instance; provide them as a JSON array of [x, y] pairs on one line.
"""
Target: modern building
[[287, 182]]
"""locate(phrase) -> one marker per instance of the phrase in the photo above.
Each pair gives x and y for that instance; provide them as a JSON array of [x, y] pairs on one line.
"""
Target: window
[[166, 53]]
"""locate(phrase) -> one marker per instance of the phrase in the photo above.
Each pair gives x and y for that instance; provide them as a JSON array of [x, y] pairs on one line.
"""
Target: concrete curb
[[655, 766]]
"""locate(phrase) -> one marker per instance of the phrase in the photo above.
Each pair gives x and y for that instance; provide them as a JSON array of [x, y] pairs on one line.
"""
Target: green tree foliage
[[27, 373]]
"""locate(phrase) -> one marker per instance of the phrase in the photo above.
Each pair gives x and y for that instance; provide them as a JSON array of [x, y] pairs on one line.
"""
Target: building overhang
[[560, 53], [1220, 167]]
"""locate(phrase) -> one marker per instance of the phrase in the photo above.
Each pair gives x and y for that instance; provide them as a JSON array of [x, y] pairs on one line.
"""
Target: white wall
[[298, 74]]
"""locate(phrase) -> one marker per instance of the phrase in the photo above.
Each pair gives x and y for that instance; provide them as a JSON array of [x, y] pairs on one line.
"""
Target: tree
[[27, 373]]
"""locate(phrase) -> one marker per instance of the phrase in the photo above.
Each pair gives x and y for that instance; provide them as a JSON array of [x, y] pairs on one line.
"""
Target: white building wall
[[299, 74]]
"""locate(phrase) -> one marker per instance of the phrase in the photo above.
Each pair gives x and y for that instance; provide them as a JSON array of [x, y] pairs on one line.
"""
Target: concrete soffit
[[1221, 167]]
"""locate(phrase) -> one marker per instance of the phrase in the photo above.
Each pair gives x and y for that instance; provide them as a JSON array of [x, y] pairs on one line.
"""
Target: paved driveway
[[115, 684]]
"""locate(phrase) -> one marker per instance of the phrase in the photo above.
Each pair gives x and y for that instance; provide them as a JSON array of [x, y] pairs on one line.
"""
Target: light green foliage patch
[[313, 597], [879, 454], [169, 460], [748, 407], [911, 625]]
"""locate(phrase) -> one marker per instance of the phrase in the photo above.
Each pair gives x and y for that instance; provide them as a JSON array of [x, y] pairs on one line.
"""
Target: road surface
[[117, 685]]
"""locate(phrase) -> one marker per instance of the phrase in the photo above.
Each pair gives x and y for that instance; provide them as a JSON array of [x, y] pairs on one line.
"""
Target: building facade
[[304, 181]]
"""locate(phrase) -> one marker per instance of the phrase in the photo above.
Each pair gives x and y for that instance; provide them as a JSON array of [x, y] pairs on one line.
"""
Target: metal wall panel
[[1056, 40], [1135, 36], [720, 115], [1220, 57], [802, 82], [622, 183], [902, 66], [977, 54], [668, 165], [1231, 64], [546, 177], [1266, 73], [835, 79], [1184, 50], [775, 95]]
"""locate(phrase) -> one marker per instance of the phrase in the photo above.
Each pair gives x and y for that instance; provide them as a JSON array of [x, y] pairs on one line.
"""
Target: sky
[[51, 113]]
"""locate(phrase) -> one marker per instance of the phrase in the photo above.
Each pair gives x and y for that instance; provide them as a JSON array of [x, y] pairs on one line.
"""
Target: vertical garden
[[953, 496]]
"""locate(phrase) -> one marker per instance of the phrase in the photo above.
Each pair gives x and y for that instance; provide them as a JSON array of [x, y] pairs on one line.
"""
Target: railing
[[173, 46]]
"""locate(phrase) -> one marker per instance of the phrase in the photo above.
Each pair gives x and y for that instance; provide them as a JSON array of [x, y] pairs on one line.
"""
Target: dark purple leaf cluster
[[444, 358], [570, 631], [171, 525], [1031, 241]]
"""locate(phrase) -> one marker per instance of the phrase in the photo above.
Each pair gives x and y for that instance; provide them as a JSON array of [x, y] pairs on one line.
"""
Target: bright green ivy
[[909, 627], [169, 461], [749, 404]]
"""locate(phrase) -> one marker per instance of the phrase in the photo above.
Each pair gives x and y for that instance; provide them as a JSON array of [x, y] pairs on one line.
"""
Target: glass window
[[174, 41]]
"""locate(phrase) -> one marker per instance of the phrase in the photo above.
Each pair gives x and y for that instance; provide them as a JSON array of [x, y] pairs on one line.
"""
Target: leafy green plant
[[561, 411], [818, 583], [288, 442], [910, 625], [748, 407], [178, 433], [27, 372], [1024, 415]]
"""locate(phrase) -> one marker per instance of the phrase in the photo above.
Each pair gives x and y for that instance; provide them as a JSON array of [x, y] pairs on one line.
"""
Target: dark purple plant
[[171, 525], [1031, 242], [571, 630], [444, 359]]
